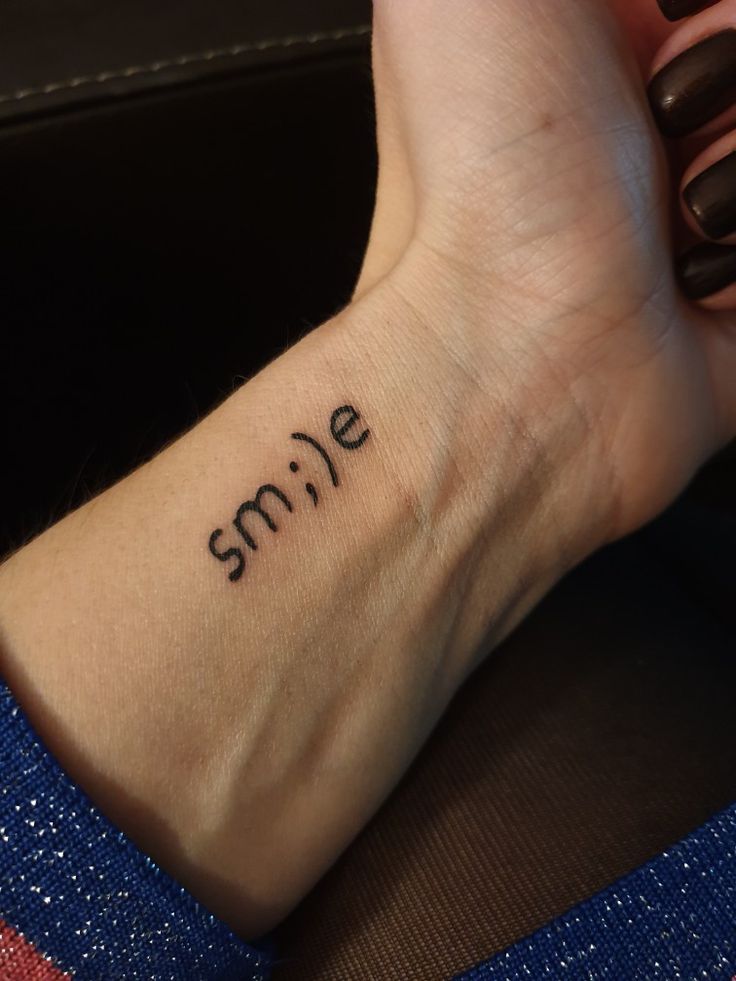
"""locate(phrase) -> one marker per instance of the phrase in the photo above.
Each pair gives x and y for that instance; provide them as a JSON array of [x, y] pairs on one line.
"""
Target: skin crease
[[582, 249], [535, 386]]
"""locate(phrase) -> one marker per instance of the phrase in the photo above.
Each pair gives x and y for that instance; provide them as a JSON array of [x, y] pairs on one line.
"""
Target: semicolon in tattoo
[[252, 516]]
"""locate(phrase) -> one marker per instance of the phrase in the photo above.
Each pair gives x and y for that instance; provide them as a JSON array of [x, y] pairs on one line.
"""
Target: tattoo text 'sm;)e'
[[266, 509]]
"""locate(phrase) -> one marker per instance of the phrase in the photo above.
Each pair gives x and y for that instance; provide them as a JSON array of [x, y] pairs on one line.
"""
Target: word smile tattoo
[[342, 421]]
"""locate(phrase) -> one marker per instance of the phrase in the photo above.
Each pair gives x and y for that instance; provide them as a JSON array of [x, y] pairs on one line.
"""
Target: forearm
[[237, 688]]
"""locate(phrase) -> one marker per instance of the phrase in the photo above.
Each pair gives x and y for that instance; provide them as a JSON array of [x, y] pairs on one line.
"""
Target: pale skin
[[535, 386]]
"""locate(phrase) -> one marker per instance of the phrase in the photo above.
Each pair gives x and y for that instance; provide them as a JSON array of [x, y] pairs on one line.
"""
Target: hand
[[524, 212]]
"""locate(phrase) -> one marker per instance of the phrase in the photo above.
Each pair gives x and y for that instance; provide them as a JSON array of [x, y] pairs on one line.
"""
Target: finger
[[708, 192], [693, 83], [707, 275], [677, 9], [719, 338], [644, 27]]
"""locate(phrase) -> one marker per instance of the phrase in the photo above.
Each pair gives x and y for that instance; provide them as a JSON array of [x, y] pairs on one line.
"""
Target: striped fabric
[[20, 961]]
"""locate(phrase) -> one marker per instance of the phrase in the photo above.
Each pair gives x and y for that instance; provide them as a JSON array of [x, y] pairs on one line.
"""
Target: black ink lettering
[[255, 505], [230, 553], [322, 452], [342, 422], [338, 431]]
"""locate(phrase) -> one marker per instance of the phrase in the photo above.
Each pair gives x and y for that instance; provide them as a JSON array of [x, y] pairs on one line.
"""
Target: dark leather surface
[[60, 54], [155, 252]]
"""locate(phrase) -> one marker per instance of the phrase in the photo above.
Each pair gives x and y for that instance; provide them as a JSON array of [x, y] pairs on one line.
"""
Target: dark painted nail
[[676, 9], [711, 197], [696, 86], [707, 269]]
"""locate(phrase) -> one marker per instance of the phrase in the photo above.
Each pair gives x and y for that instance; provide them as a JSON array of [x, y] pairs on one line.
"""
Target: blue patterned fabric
[[84, 895], [96, 907], [671, 920]]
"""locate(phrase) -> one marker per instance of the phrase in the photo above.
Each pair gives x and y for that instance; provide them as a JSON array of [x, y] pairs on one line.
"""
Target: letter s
[[230, 553]]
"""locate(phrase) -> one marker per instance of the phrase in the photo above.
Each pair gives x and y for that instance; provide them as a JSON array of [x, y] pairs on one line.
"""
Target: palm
[[516, 145]]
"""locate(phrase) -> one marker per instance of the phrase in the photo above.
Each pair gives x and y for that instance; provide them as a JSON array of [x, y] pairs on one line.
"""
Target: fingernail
[[695, 87], [706, 270], [676, 9], [711, 197]]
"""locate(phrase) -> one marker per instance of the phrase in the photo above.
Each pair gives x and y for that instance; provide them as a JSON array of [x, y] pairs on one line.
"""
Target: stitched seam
[[214, 54]]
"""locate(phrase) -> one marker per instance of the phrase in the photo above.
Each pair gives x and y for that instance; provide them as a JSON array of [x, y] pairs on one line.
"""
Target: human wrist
[[337, 649], [506, 454]]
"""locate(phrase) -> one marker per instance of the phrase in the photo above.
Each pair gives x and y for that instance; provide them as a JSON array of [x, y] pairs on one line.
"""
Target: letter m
[[255, 505]]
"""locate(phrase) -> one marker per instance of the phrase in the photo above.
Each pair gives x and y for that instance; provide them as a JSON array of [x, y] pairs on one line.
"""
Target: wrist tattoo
[[344, 433]]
